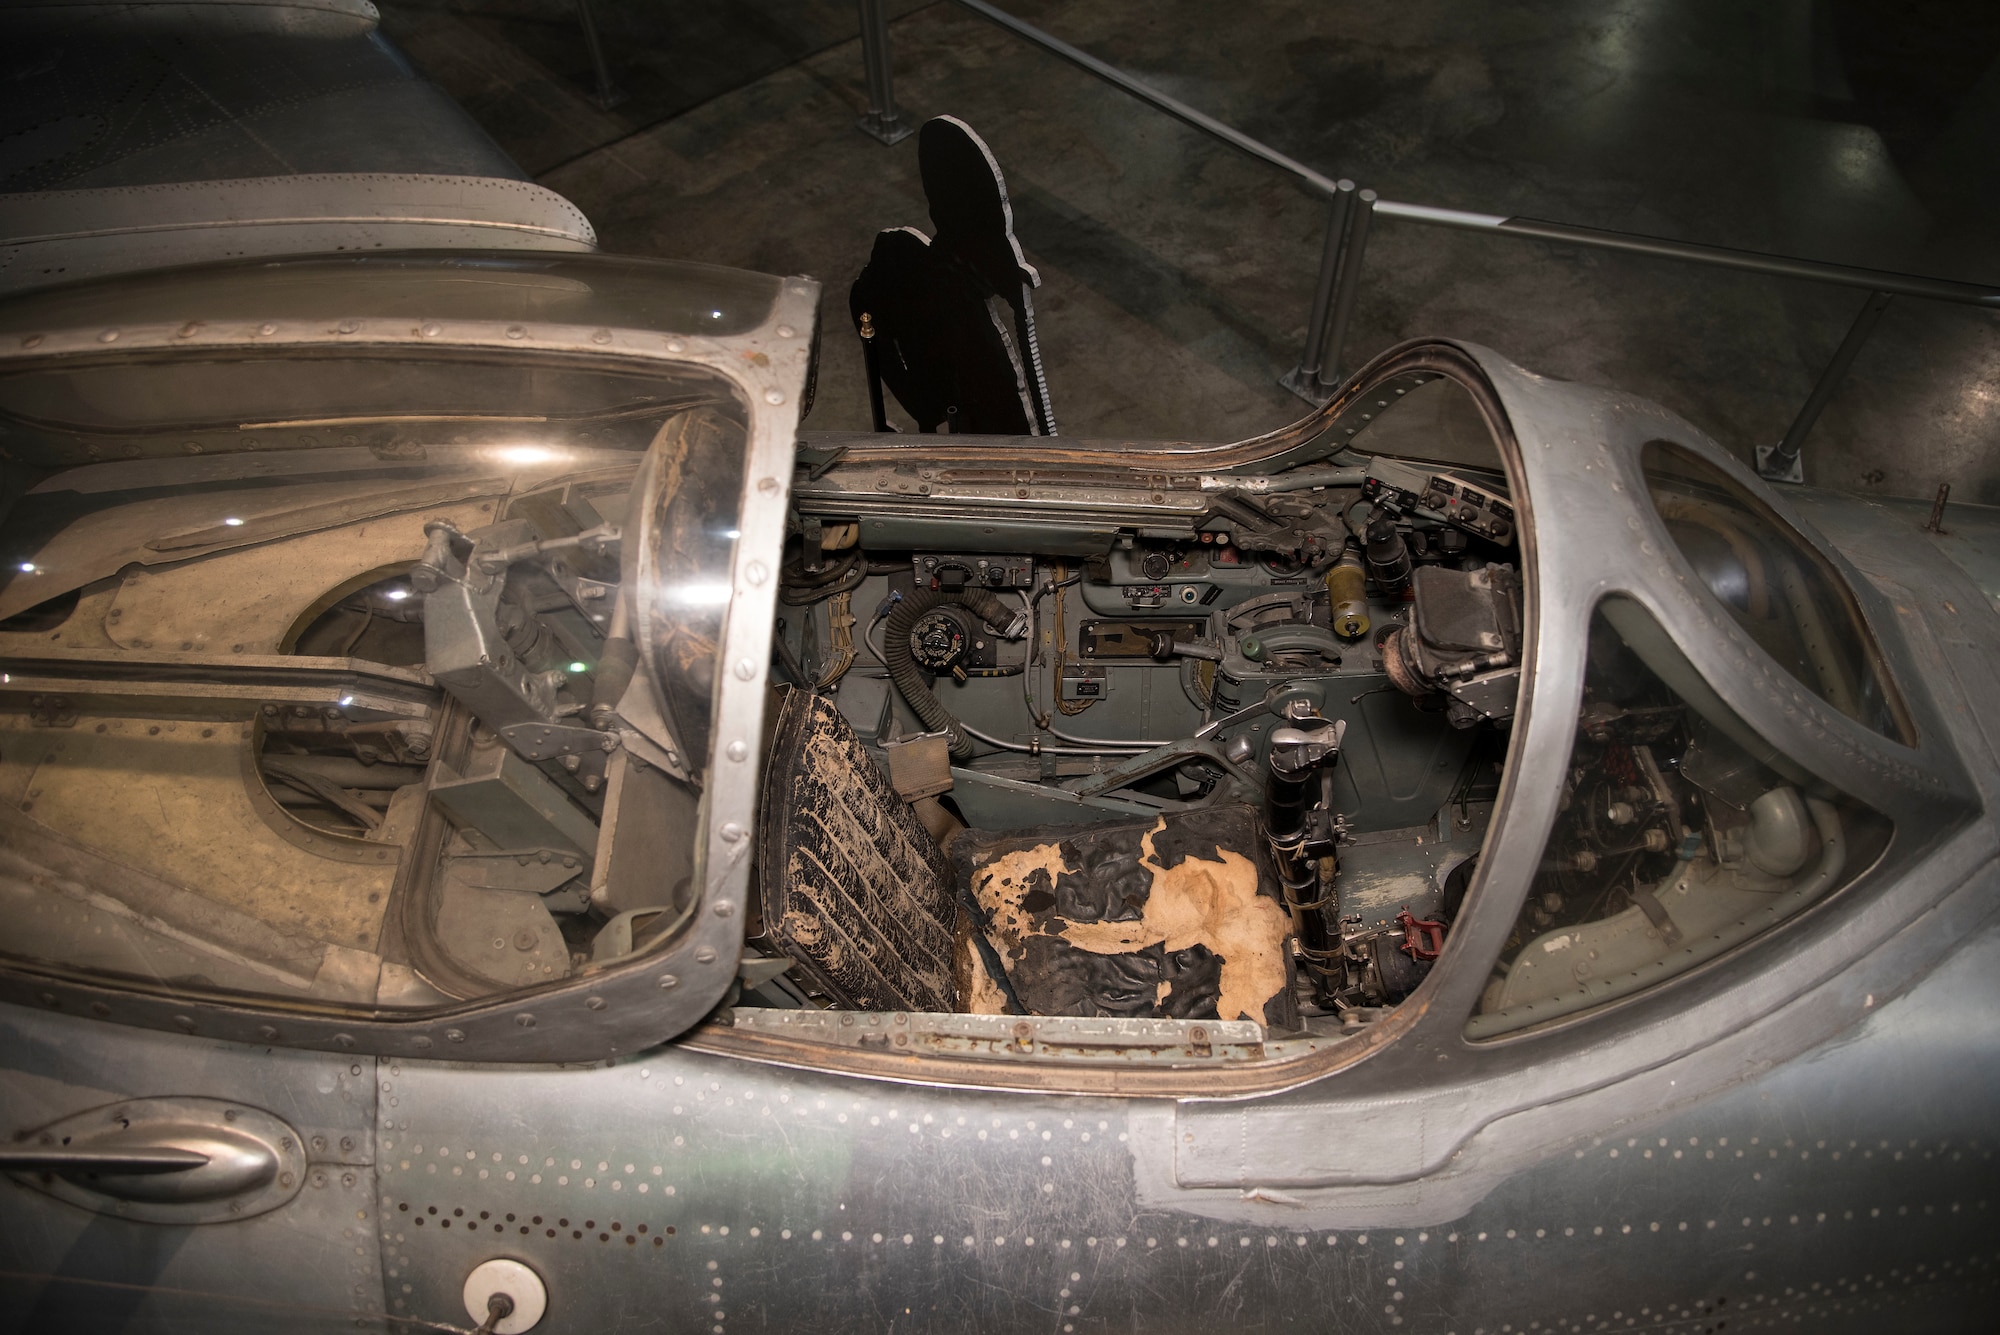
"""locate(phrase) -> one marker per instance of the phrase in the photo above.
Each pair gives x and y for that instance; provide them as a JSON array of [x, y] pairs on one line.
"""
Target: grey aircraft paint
[[687, 1192]]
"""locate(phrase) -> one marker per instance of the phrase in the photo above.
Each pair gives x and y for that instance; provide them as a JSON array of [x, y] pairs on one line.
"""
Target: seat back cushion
[[1178, 917]]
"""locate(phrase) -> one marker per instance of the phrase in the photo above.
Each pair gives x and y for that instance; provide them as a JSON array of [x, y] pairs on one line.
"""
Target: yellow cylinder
[[1347, 584]]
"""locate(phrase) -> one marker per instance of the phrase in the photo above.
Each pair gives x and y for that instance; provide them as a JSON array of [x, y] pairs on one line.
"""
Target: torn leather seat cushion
[[853, 887], [1180, 917]]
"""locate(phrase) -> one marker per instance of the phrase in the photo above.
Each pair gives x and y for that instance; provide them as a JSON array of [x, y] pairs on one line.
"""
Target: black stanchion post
[[883, 121], [1303, 379], [1780, 462], [1347, 287]]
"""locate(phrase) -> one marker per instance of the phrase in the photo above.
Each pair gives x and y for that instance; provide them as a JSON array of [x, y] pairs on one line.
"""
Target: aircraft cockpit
[[493, 679]]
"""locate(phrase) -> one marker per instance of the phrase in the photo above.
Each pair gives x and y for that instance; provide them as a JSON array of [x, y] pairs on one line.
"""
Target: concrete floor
[[1177, 274]]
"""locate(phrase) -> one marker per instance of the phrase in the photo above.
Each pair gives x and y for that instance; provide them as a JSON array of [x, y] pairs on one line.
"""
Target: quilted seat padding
[[853, 887]]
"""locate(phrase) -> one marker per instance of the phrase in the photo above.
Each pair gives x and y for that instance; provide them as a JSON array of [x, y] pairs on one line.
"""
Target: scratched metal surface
[[312, 1264], [1852, 1189]]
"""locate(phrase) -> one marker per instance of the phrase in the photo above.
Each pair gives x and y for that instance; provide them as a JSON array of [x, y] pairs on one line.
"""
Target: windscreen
[[685, 540]]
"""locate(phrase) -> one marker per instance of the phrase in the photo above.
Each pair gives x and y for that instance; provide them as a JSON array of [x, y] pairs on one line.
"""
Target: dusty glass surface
[[164, 426], [1781, 591], [186, 411], [1682, 834], [686, 540], [313, 709], [617, 292]]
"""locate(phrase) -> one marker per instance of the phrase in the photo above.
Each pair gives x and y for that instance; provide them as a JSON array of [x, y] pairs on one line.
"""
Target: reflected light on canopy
[[528, 454], [695, 595]]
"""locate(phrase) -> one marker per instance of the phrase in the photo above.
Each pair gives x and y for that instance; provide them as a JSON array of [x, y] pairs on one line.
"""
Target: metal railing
[[882, 119], [609, 94], [1350, 215]]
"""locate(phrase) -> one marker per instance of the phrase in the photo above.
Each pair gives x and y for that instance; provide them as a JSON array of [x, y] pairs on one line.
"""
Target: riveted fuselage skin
[[1848, 1189]]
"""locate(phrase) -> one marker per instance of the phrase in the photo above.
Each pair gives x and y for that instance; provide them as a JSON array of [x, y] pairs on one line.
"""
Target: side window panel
[[340, 712], [1783, 593], [1682, 834]]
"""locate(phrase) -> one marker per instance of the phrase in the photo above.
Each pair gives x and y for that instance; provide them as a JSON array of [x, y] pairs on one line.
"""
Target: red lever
[[1414, 929]]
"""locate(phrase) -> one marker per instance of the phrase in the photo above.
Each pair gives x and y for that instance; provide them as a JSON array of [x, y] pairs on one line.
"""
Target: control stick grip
[[1163, 646]]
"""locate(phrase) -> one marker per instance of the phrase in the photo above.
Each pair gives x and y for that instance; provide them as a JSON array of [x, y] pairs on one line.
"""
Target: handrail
[[1317, 376], [1699, 252], [1722, 257], [1174, 107]]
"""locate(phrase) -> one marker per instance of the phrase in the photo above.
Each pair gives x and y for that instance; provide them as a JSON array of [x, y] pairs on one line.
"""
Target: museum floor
[[1177, 273]]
